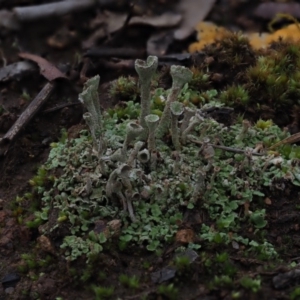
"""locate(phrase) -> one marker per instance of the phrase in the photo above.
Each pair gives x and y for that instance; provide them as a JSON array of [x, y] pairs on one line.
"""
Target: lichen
[[147, 183]]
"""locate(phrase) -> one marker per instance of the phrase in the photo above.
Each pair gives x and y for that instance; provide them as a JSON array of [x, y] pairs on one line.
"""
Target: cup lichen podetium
[[141, 171]]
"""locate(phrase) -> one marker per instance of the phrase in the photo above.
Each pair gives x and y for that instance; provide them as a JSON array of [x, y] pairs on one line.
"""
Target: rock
[[163, 274], [110, 229], [10, 280], [43, 286], [46, 245], [114, 227], [9, 290]]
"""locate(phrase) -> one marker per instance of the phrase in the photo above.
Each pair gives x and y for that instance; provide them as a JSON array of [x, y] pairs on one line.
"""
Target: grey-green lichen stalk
[[180, 76], [146, 70], [89, 97], [132, 171]]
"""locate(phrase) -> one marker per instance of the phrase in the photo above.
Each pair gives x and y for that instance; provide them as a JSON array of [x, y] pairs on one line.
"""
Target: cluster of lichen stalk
[[140, 143]]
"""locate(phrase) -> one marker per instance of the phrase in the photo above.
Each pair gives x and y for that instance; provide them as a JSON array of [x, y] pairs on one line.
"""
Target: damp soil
[[31, 148]]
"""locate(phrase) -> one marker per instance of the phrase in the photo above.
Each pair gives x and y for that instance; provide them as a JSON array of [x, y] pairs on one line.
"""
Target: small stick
[[26, 116], [291, 139], [55, 9], [230, 149], [61, 106]]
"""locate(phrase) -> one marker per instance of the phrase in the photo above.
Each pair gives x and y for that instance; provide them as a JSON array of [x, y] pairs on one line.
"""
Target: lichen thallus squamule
[[143, 145]]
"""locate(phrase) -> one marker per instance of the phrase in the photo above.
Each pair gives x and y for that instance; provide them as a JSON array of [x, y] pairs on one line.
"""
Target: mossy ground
[[235, 252], [227, 265]]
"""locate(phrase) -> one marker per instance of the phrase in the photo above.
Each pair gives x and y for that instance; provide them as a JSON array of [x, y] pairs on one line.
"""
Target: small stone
[[101, 227], [185, 236], [268, 201], [45, 244], [114, 227], [235, 245], [163, 274], [188, 253], [9, 290], [10, 280]]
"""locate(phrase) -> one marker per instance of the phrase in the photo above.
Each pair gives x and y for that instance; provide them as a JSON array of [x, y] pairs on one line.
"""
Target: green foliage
[[200, 80], [290, 151], [124, 89], [77, 246], [235, 96], [26, 96], [124, 111], [274, 79], [40, 179], [263, 251], [258, 218], [221, 282], [156, 224], [102, 292], [181, 263], [30, 261], [168, 291], [248, 283], [263, 124], [295, 294], [196, 176], [130, 282]]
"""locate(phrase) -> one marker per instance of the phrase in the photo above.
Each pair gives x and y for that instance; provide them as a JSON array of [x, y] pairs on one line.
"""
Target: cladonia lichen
[[146, 172]]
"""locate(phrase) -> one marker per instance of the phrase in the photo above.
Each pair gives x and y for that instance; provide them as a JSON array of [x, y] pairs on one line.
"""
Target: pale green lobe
[[177, 108], [180, 76], [133, 131]]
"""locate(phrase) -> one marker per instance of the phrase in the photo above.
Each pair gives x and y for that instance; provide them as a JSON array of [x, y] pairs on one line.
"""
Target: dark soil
[[31, 147]]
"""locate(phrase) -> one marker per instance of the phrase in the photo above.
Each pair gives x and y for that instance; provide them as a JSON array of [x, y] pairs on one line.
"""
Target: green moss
[[148, 200], [200, 81], [251, 284], [130, 282], [102, 292], [263, 124], [169, 291], [124, 89], [235, 96]]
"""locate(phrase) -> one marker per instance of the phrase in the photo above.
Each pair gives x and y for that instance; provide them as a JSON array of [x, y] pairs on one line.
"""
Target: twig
[[230, 149], [26, 116], [61, 106], [55, 9], [291, 139]]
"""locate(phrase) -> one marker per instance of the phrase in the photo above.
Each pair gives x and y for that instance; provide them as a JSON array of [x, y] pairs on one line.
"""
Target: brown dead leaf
[[115, 21], [47, 69], [185, 236]]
